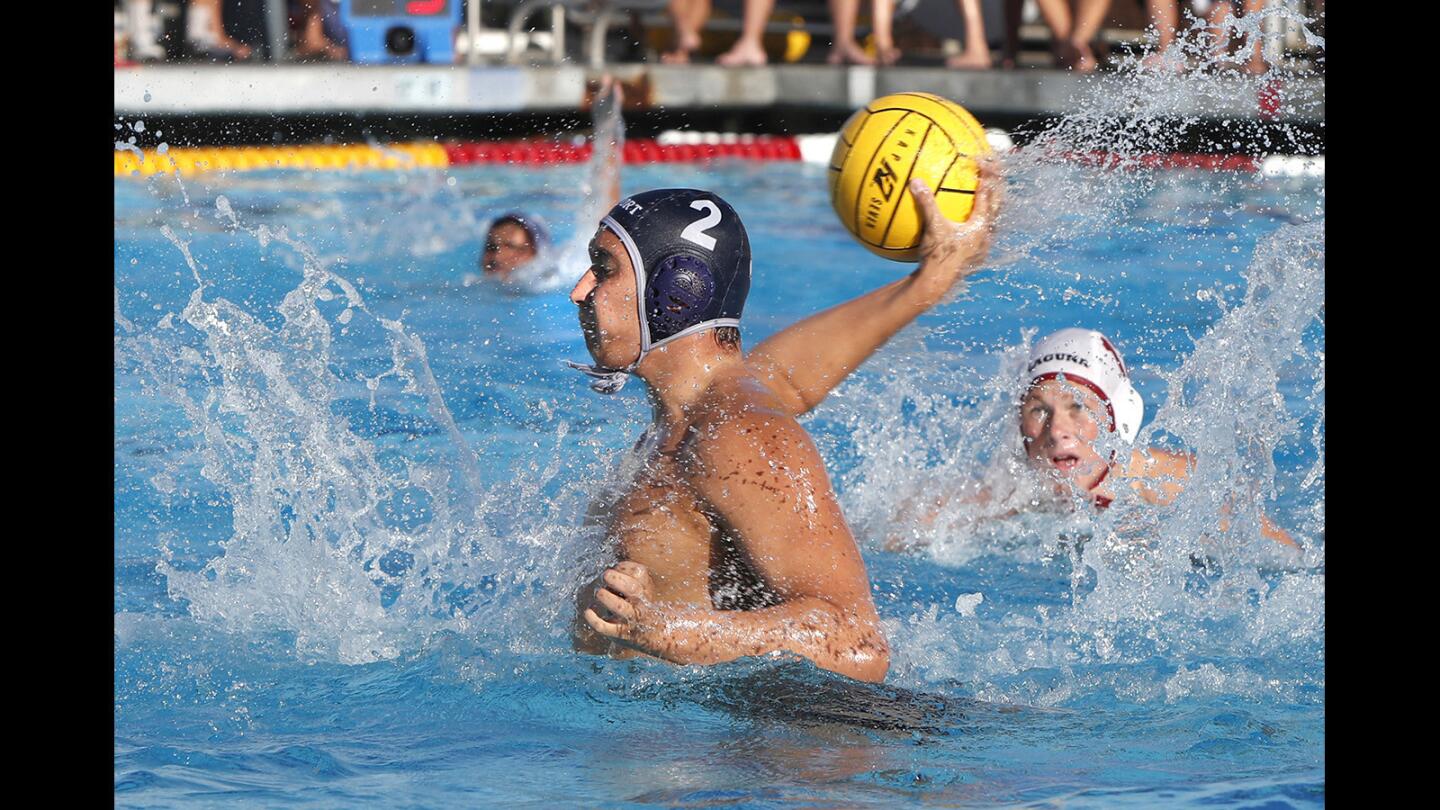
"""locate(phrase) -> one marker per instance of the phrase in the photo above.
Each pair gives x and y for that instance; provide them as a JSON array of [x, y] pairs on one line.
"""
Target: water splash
[[357, 551]]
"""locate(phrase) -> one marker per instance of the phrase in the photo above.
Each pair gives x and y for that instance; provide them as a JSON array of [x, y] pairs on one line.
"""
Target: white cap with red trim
[[1084, 356]]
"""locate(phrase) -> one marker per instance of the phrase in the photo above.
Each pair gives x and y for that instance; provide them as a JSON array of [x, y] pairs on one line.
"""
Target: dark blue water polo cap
[[533, 225], [691, 258]]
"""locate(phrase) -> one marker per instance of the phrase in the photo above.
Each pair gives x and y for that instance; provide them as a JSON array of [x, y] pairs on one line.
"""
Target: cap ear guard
[[1129, 410], [679, 291]]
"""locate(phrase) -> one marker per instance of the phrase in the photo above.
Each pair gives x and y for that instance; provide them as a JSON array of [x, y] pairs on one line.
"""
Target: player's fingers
[[617, 606], [991, 188], [633, 569], [623, 584], [925, 198], [599, 625]]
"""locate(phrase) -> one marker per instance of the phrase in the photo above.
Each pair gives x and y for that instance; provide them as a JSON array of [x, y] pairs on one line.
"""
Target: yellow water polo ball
[[893, 139]]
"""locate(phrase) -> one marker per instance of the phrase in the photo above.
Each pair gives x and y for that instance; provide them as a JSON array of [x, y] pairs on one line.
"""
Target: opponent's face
[[1060, 422], [606, 298], [507, 246]]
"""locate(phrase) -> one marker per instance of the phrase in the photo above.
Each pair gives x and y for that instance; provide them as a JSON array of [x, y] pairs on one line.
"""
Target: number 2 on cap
[[695, 231]]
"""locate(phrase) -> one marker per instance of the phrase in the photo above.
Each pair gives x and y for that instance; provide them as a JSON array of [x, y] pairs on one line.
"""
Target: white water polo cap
[[1087, 358]]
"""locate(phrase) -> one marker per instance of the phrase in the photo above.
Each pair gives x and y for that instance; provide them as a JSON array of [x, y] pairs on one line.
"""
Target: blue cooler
[[388, 31]]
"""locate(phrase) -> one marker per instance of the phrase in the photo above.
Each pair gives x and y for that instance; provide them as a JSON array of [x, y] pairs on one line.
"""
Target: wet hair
[[727, 337]]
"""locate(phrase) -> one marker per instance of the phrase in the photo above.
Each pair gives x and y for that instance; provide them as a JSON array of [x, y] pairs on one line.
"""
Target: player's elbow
[[790, 395], [870, 659]]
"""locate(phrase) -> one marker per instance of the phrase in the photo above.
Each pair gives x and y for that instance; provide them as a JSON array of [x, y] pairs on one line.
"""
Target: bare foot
[[1165, 60], [969, 60], [744, 54], [848, 53], [1065, 54], [887, 54], [1085, 61], [685, 42]]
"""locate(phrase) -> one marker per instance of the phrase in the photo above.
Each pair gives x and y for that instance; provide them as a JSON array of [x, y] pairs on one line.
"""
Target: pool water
[[350, 477]]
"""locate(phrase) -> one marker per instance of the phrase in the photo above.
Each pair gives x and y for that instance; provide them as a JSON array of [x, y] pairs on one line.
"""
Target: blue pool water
[[349, 481]]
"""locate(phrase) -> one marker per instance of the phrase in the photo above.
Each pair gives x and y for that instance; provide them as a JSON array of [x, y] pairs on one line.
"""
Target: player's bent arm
[[1160, 475], [765, 483], [807, 626], [804, 362]]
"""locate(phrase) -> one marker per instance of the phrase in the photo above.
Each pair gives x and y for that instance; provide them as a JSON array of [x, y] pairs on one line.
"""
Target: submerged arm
[[1160, 475], [804, 362]]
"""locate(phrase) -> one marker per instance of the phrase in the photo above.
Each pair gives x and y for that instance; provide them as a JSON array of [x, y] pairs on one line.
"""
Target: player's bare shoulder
[[741, 422], [1153, 462], [1158, 475]]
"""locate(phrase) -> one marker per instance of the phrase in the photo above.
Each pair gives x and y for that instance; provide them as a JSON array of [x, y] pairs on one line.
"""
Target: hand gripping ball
[[884, 145]]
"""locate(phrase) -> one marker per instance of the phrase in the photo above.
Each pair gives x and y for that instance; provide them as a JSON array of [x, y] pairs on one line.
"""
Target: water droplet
[[147, 96]]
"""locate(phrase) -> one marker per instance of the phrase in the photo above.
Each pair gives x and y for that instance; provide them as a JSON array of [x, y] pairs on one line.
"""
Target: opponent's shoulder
[[1154, 462]]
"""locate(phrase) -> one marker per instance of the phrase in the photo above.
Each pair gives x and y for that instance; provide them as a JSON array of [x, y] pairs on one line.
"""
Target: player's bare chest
[[660, 500]]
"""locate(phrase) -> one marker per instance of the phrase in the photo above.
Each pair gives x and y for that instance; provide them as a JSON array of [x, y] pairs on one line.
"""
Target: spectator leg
[[976, 55], [844, 49], [882, 16], [690, 17], [749, 50], [1014, 10], [1056, 14], [1164, 16], [1089, 16], [1256, 63], [140, 21]]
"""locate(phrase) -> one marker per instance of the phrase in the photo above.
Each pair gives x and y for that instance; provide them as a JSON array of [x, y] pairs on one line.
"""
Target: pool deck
[[298, 90]]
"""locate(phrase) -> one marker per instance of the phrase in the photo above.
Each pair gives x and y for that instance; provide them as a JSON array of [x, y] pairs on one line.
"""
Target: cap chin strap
[[603, 380], [610, 380]]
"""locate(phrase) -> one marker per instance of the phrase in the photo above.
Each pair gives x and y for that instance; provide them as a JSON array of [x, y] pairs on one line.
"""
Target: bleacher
[[601, 32]]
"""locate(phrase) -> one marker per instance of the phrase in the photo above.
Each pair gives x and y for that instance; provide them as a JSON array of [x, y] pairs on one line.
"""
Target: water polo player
[[728, 539], [1078, 417], [517, 250]]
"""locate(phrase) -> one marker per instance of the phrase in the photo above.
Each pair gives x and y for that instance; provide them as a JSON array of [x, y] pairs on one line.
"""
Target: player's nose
[[583, 287], [1060, 428]]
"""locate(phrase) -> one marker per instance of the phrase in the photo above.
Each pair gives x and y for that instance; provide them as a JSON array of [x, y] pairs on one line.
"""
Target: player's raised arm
[[804, 362], [608, 145], [765, 482]]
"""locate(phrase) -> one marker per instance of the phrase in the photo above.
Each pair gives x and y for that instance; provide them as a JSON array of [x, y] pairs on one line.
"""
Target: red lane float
[[645, 150], [637, 150], [696, 147]]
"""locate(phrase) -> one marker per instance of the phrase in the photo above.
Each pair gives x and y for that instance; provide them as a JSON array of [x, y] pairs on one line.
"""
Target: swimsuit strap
[[1102, 501]]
